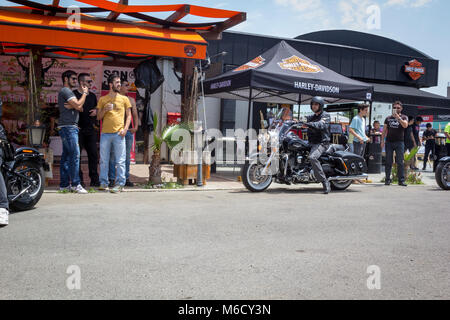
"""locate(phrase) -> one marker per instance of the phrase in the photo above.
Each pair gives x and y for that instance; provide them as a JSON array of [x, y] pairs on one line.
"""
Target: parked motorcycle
[[442, 174], [23, 172], [288, 163]]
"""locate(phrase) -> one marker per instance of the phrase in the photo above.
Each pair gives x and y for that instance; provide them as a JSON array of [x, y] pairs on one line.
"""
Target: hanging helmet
[[318, 100]]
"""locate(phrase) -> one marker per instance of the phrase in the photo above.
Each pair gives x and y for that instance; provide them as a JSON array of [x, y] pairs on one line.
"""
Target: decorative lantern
[[36, 135]]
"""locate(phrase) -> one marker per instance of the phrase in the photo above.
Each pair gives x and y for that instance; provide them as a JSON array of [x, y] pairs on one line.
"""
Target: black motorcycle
[[286, 161], [23, 172], [442, 174]]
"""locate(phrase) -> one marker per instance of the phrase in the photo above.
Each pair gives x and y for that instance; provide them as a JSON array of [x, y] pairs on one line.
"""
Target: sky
[[421, 24]]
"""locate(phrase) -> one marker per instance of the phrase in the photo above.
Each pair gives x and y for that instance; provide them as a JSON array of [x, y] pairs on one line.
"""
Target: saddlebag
[[352, 163]]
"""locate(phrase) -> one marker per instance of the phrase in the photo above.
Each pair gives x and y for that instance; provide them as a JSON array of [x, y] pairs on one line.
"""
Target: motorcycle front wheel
[[34, 193], [253, 179], [443, 175]]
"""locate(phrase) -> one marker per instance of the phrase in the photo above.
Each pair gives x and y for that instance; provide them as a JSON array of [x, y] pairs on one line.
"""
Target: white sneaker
[[79, 189], [4, 213]]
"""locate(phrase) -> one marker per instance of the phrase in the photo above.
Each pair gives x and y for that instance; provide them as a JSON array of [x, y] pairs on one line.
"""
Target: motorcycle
[[23, 172], [286, 161], [442, 174]]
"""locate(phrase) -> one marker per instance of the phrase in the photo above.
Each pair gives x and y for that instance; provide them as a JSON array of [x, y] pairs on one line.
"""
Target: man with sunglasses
[[394, 133], [69, 108], [88, 135]]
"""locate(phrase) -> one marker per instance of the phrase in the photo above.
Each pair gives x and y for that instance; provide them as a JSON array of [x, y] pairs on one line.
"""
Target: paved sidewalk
[[226, 178]]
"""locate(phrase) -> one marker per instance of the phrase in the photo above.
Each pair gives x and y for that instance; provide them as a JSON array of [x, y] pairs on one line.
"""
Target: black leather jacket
[[319, 128]]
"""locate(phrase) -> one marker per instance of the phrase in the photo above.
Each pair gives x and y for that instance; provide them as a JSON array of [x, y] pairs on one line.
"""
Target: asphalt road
[[283, 244]]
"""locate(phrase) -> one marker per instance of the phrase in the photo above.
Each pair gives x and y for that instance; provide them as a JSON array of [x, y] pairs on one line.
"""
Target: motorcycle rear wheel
[[252, 178], [35, 192], [340, 185]]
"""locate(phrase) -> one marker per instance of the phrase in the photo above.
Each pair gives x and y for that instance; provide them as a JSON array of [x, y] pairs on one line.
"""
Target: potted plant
[[183, 171]]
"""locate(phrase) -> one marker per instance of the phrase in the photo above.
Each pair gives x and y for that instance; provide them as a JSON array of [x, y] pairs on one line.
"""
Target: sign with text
[[14, 77]]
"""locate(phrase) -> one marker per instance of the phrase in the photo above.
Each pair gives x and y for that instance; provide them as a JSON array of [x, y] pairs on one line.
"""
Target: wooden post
[[187, 111]]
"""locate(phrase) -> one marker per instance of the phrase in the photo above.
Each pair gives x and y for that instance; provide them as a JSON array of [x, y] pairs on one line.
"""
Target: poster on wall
[[14, 77], [124, 73]]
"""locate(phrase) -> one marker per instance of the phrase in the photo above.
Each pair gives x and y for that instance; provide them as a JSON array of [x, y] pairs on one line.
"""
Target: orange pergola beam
[[194, 10], [112, 37]]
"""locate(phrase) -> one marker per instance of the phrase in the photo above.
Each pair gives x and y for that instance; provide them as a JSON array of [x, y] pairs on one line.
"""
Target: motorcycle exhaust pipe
[[346, 178]]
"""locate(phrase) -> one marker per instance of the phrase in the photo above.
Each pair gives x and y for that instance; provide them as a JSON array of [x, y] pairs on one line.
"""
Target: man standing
[[129, 138], [319, 137], [416, 131], [4, 203], [393, 132], [410, 141], [428, 136], [112, 109], [69, 107], [88, 132], [447, 135], [358, 130]]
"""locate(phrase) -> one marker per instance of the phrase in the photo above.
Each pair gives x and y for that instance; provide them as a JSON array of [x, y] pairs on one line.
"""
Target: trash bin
[[374, 158]]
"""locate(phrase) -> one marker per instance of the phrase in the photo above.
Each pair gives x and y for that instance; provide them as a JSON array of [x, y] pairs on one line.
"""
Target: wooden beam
[[114, 15], [180, 13], [216, 32]]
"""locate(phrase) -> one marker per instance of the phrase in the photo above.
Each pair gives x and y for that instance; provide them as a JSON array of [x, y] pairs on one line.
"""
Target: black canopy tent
[[284, 75]]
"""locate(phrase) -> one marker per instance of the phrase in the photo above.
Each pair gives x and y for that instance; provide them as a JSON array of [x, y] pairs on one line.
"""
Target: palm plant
[[158, 140]]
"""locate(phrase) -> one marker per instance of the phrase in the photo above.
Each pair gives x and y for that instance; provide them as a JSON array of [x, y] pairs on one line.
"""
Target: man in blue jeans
[[394, 132], [129, 139], [69, 108], [112, 110], [4, 203], [358, 130]]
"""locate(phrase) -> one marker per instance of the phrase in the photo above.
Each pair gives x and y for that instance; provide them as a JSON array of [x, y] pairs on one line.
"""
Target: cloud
[[407, 3], [354, 13], [310, 11]]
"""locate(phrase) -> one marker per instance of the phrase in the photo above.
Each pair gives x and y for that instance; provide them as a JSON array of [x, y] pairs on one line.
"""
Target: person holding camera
[[393, 138]]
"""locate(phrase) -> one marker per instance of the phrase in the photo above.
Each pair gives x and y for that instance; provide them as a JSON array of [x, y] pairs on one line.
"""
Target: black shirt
[[86, 122], [409, 142], [416, 130], [396, 133], [430, 133]]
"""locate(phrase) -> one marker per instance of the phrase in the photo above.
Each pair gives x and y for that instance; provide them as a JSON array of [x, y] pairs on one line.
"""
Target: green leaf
[[411, 155]]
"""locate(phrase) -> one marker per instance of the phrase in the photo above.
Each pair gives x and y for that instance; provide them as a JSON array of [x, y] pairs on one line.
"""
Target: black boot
[[326, 187]]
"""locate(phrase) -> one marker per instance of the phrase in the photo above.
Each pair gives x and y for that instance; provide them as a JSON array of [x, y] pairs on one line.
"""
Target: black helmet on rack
[[318, 100]]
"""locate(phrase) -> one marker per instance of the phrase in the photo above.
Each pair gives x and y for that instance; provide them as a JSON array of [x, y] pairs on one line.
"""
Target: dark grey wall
[[361, 64]]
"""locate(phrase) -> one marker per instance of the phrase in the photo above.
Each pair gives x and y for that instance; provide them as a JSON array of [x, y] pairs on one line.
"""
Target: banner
[[14, 77]]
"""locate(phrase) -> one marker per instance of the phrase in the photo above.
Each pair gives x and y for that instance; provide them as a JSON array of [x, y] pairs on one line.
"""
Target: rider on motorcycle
[[4, 204], [319, 138]]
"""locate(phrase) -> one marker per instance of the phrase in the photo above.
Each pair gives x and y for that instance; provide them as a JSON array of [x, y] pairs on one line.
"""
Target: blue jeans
[[359, 148], [112, 165], [112, 142], [70, 158], [399, 148]]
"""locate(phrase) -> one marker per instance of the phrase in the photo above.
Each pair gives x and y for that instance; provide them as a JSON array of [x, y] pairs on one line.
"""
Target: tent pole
[[299, 105], [249, 108], [247, 137], [370, 116]]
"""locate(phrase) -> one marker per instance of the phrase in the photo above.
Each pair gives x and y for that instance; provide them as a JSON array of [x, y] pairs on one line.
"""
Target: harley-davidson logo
[[415, 69], [190, 50], [255, 63], [295, 63]]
